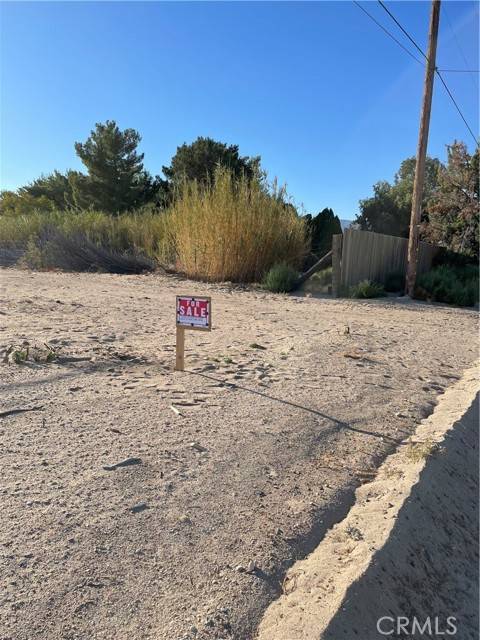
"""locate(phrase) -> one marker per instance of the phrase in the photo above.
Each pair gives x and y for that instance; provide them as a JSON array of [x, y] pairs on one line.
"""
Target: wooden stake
[[180, 349], [416, 214]]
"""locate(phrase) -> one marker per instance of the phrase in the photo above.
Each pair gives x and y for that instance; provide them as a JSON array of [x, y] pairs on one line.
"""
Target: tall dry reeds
[[233, 230]]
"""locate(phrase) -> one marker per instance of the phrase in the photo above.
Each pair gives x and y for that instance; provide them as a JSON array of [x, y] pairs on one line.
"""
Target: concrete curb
[[395, 554]]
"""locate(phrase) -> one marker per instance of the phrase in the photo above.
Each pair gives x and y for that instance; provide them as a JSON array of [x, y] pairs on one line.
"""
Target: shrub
[[395, 281], [10, 256], [323, 278], [75, 252], [450, 284], [281, 278], [35, 238], [367, 289]]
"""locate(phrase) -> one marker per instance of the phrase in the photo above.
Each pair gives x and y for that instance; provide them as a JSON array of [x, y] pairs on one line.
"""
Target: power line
[[460, 70], [462, 53], [402, 29], [406, 50], [436, 70], [456, 105], [387, 32]]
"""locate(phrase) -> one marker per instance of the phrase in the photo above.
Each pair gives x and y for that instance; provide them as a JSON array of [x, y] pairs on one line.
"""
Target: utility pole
[[422, 150]]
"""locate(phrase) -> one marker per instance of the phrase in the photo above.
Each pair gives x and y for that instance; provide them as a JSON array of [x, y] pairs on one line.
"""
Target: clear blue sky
[[322, 94]]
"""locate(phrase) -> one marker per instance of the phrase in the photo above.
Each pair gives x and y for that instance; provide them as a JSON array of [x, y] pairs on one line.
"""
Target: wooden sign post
[[191, 313]]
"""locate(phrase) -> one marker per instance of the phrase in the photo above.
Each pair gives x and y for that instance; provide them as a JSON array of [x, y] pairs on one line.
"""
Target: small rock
[[354, 533], [240, 568], [185, 519], [197, 447], [141, 506], [124, 463], [251, 567]]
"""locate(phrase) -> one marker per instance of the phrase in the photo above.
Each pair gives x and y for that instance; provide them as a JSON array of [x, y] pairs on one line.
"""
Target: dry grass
[[418, 451], [142, 231], [234, 230]]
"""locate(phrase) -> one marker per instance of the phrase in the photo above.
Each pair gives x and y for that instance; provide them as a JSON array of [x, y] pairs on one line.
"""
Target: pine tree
[[116, 180]]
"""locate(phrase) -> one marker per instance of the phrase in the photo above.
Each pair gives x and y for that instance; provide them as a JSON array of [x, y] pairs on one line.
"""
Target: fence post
[[336, 264]]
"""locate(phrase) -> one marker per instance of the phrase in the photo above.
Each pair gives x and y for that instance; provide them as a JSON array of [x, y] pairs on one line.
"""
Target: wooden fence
[[372, 256]]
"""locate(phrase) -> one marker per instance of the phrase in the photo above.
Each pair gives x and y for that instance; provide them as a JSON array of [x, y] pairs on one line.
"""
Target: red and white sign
[[194, 313]]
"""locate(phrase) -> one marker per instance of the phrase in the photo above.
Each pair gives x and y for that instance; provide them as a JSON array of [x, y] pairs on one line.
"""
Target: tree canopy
[[117, 180], [388, 211], [55, 187], [322, 227], [453, 211], [198, 161]]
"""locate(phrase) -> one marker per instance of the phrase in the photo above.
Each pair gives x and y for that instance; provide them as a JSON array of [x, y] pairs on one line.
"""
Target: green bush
[[450, 284], [367, 289], [281, 278], [395, 281], [323, 278]]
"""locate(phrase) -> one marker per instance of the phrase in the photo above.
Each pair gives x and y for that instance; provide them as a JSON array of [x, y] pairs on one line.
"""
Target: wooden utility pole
[[422, 150]]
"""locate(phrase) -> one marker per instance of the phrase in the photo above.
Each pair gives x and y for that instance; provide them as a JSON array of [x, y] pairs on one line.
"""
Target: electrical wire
[[387, 32], [382, 4]]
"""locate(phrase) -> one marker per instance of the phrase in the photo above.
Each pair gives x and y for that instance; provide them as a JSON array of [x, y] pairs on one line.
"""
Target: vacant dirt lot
[[259, 455]]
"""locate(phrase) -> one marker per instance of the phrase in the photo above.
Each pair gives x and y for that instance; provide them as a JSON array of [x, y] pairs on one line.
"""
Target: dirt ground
[[404, 561], [285, 405]]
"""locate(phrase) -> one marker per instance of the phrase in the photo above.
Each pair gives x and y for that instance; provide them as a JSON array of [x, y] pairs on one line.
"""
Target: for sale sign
[[194, 313]]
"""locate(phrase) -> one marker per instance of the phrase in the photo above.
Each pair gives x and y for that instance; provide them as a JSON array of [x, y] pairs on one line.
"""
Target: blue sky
[[317, 89]]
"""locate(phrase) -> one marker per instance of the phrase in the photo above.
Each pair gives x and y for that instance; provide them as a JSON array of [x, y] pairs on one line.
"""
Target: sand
[[258, 458], [407, 552]]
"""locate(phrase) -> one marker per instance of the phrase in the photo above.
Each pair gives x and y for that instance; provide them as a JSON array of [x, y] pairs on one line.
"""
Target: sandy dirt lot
[[259, 456], [404, 562]]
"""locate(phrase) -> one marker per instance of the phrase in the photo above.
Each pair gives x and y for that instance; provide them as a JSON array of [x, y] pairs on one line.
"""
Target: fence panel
[[373, 256]]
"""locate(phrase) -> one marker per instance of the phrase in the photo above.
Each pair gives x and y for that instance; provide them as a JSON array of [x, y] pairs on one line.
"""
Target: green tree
[[453, 212], [54, 187], [14, 204], [198, 161], [388, 211], [116, 180], [322, 227]]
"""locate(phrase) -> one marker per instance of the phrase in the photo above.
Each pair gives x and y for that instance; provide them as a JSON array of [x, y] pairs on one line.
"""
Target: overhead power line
[[456, 105], [382, 4], [387, 32], [460, 49], [460, 70]]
